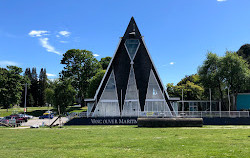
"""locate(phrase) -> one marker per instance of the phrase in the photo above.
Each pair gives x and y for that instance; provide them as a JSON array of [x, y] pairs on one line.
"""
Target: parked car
[[26, 116], [50, 116], [6, 120], [48, 112], [19, 118]]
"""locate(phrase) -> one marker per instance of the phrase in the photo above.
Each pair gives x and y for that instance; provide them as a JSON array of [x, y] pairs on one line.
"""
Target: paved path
[[37, 121]]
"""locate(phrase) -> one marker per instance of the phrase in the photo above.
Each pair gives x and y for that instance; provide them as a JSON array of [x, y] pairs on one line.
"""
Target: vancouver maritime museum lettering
[[114, 121]]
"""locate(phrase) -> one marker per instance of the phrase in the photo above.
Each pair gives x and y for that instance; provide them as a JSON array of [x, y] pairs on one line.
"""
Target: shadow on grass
[[36, 113], [76, 109]]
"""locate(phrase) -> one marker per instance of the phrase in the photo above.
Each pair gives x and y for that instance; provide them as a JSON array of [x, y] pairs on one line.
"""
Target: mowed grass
[[35, 111], [126, 141]]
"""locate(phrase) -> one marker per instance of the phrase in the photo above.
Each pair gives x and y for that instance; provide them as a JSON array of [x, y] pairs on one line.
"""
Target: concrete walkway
[[37, 121]]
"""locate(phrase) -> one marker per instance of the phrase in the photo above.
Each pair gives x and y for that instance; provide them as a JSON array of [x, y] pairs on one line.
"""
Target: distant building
[[131, 84]]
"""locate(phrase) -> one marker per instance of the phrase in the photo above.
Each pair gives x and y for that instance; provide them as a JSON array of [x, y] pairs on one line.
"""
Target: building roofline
[[110, 63]]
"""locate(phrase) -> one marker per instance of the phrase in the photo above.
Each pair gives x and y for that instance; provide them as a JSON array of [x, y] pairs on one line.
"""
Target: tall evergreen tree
[[42, 86], [34, 86], [29, 97]]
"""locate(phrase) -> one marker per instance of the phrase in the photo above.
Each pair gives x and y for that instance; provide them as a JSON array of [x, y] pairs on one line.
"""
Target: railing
[[213, 113], [77, 115], [198, 114]]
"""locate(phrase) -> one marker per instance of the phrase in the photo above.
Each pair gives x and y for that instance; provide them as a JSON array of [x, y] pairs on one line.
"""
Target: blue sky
[[178, 33]]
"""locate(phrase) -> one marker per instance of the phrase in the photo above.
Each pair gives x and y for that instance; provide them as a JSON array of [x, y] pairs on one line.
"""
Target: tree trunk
[[235, 99], [82, 101], [221, 98]]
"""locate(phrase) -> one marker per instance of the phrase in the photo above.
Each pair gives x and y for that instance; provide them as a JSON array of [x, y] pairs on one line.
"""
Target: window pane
[[132, 46], [109, 93], [153, 91]]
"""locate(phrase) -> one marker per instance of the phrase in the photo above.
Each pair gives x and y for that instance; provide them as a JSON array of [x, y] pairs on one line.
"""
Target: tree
[[94, 83], [10, 86], [27, 79], [244, 52], [42, 86], [34, 86], [50, 91], [49, 96], [190, 86], [80, 67], [3, 88], [64, 95], [236, 73], [105, 62], [195, 78], [210, 76], [221, 73]]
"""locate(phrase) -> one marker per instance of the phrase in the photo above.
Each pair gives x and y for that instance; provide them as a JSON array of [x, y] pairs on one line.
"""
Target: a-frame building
[[131, 85]]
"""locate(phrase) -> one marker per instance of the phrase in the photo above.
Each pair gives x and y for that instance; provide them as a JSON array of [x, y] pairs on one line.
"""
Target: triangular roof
[[121, 63]]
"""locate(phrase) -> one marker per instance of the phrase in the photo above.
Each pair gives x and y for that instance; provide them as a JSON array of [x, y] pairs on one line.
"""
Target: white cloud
[[96, 55], [44, 42], [57, 36], [5, 63], [50, 75], [64, 33], [171, 63], [38, 33], [221, 0]]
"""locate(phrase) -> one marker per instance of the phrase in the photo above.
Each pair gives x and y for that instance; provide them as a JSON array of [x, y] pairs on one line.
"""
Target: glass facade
[[132, 45], [155, 102], [131, 105], [108, 103]]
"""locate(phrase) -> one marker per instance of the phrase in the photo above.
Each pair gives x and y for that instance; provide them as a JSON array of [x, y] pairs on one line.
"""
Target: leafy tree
[[64, 95], [42, 86], [3, 88], [94, 83], [52, 83], [80, 67], [244, 52], [210, 76], [49, 95], [192, 78], [10, 86], [105, 62], [191, 90], [236, 73], [50, 91]]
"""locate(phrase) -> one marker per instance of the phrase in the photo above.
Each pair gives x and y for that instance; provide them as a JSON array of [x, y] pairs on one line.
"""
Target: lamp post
[[182, 102]]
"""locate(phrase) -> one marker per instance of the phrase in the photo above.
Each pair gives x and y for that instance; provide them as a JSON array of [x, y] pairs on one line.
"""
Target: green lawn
[[126, 141], [76, 109], [35, 111]]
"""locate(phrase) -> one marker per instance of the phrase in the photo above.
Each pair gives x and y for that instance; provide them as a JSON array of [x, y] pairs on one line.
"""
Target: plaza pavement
[[37, 121]]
